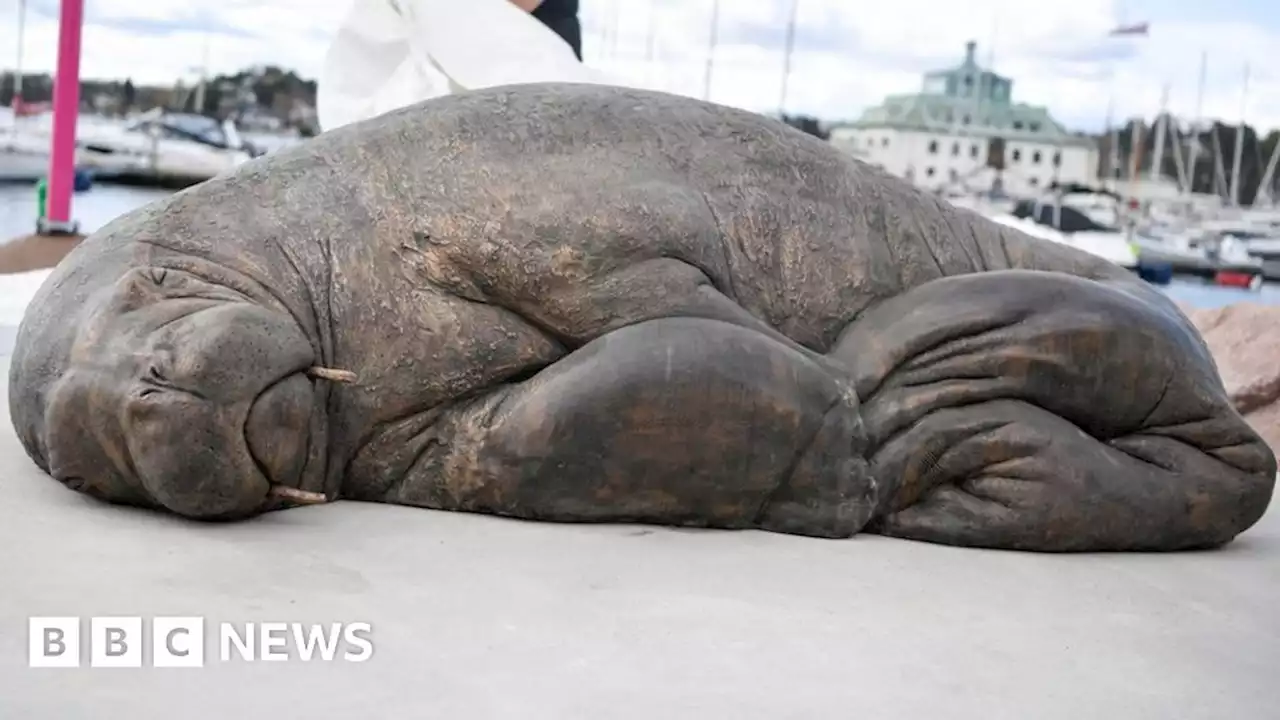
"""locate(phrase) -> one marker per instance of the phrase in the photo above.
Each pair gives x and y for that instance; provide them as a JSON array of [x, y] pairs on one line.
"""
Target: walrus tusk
[[295, 495], [324, 373]]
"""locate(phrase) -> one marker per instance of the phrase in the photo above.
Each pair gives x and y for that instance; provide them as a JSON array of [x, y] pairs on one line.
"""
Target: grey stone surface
[[480, 617]]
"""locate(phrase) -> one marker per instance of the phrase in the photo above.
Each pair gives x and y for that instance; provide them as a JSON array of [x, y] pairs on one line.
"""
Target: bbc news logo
[[180, 642]]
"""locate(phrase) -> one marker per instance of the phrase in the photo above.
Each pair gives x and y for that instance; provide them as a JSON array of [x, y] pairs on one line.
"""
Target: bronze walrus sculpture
[[592, 304]]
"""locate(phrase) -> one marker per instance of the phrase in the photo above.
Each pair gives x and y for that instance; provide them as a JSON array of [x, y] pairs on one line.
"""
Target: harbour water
[[104, 202], [92, 209]]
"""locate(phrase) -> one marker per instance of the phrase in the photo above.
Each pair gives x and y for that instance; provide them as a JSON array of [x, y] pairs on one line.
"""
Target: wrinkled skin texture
[[586, 304]]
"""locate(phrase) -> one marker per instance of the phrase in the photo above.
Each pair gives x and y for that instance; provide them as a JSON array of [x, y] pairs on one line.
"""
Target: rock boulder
[[1245, 340]]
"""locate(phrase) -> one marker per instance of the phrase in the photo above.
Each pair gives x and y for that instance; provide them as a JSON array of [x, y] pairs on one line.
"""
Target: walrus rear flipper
[[677, 421], [1041, 411]]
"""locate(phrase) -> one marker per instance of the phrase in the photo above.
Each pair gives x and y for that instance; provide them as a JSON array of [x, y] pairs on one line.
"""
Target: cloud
[[161, 41], [158, 27], [131, 17], [847, 55], [1058, 53]]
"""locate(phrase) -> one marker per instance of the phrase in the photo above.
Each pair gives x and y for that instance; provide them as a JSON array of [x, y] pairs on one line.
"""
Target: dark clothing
[[562, 17]]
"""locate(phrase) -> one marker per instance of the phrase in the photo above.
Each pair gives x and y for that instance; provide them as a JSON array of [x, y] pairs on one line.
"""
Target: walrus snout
[[187, 398], [224, 431], [276, 431]]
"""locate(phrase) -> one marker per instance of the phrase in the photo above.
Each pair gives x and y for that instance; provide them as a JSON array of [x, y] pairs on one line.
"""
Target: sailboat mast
[[605, 27], [1239, 148], [786, 57], [615, 32], [711, 48], [1113, 135], [1175, 143], [17, 68], [1268, 176], [204, 73], [1220, 173], [988, 90], [1184, 182], [1195, 146], [649, 42], [1157, 156], [1116, 171], [1113, 145], [1135, 156]]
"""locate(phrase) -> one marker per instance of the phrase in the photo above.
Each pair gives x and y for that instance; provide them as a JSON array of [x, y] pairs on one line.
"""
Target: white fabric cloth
[[391, 53]]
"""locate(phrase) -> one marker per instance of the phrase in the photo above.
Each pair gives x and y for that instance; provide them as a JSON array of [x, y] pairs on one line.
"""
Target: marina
[[964, 137], [157, 147]]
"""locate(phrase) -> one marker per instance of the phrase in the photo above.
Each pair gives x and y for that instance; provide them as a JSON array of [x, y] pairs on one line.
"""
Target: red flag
[[1135, 29]]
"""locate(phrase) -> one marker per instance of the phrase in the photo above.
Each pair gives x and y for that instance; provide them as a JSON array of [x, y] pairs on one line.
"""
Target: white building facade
[[963, 133]]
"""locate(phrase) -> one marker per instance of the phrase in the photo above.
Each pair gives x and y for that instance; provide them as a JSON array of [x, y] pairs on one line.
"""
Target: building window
[[1017, 155], [933, 147], [1057, 159], [973, 150], [1034, 127], [955, 148], [1035, 158], [1033, 182], [965, 120], [1017, 124], [953, 174], [929, 172], [884, 142]]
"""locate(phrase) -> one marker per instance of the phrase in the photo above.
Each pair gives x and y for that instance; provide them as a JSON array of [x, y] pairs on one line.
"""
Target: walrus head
[[184, 395]]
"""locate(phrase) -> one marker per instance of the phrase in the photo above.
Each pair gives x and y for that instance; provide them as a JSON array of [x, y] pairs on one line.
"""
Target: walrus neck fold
[[226, 272]]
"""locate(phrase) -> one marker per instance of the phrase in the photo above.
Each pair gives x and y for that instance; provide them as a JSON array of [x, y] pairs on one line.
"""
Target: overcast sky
[[849, 53]]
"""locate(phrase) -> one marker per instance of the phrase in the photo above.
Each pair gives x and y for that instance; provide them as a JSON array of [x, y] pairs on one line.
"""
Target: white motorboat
[[1260, 242], [981, 203], [1192, 253], [22, 159], [1062, 224], [157, 147], [1108, 246], [164, 148]]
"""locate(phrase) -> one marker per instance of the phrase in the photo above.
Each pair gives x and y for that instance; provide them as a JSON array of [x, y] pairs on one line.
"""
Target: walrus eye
[[154, 373]]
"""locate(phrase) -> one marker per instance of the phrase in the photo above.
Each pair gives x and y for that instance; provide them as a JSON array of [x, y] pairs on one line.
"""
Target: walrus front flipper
[[1040, 411], [677, 421]]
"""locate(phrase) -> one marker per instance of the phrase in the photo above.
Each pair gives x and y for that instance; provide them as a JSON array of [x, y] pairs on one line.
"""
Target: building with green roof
[[963, 131]]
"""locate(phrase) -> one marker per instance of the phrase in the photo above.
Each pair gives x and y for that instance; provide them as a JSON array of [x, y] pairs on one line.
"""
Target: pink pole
[[66, 106]]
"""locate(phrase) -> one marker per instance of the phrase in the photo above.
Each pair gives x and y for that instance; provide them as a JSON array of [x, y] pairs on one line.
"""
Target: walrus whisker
[[324, 373], [303, 497]]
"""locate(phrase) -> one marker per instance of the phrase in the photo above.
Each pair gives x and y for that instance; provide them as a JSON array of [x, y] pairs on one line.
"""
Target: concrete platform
[[478, 617]]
